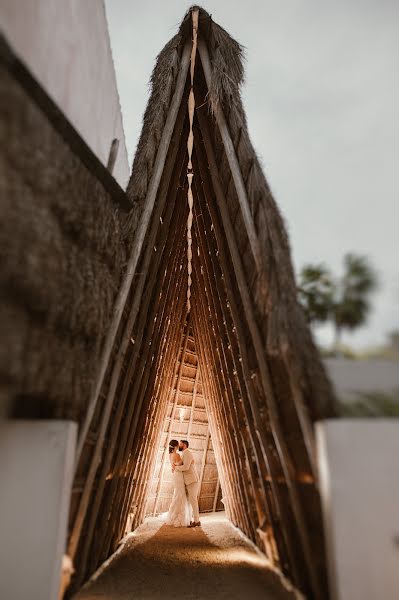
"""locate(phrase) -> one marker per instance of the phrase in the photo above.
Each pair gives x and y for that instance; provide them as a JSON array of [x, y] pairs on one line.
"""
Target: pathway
[[214, 562]]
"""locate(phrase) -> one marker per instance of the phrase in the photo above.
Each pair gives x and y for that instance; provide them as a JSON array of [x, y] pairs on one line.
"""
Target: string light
[[190, 144]]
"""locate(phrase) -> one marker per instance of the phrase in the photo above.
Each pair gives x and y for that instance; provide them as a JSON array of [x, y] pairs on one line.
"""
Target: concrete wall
[[36, 471], [359, 484], [66, 47]]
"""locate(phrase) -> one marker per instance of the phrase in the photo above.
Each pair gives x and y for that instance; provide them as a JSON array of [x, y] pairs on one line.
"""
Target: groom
[[190, 480]]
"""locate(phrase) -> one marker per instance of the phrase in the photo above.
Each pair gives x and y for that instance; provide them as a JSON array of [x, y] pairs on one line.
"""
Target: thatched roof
[[263, 381], [276, 298], [63, 252]]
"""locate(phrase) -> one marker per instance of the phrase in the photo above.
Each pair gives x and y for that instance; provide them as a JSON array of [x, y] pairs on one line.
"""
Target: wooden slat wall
[[186, 418]]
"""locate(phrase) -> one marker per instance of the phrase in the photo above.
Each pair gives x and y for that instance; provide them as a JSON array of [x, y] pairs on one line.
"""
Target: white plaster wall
[[65, 44], [359, 484], [36, 474]]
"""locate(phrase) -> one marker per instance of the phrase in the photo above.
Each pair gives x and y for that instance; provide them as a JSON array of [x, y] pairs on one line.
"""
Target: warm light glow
[[182, 412], [244, 555]]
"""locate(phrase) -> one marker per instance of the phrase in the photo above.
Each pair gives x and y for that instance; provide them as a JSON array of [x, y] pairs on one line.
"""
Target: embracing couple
[[185, 483]]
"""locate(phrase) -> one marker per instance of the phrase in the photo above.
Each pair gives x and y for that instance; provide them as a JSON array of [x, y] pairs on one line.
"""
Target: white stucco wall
[[66, 46], [37, 461], [359, 485]]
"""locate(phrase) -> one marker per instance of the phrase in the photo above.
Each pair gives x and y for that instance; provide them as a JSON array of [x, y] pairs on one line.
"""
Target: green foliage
[[315, 292], [345, 301], [351, 305], [372, 404]]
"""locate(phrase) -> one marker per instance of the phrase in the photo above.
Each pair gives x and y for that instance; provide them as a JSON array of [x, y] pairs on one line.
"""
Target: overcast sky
[[322, 98]]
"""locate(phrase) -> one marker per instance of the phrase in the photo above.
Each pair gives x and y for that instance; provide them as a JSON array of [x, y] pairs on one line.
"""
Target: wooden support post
[[141, 384], [122, 436], [233, 162], [113, 153], [262, 442], [166, 378], [243, 371], [234, 500], [228, 369], [303, 416], [227, 402], [232, 362], [203, 461], [85, 496], [132, 418], [142, 473], [139, 237], [215, 500], [233, 455], [190, 424]]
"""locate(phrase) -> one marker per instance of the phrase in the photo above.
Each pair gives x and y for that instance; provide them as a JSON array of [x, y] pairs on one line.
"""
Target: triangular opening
[[186, 418]]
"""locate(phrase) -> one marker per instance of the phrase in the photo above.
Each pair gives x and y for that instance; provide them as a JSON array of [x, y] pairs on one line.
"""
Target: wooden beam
[[218, 320], [251, 233], [164, 242], [190, 424], [215, 499], [156, 315], [237, 342], [224, 327], [136, 399], [139, 237], [165, 374], [113, 153], [115, 502], [142, 389], [120, 435], [261, 359], [203, 461], [233, 454], [262, 442], [233, 161], [210, 383], [146, 456]]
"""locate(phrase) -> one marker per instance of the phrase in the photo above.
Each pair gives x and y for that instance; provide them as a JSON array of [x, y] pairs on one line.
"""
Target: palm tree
[[346, 302], [351, 305], [315, 292]]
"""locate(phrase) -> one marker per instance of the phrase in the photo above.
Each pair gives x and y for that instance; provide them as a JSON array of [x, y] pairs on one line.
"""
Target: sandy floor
[[215, 561]]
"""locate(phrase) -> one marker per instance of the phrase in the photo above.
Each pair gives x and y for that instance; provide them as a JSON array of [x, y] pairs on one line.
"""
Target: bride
[[179, 510]]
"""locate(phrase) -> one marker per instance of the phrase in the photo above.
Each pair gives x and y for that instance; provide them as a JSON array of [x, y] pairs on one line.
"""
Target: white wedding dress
[[179, 509]]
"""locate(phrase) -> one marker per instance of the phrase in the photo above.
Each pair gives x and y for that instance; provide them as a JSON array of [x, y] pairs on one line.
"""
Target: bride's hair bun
[[172, 445]]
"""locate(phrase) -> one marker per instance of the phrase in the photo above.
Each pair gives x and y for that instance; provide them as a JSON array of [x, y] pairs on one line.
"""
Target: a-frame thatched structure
[[263, 381]]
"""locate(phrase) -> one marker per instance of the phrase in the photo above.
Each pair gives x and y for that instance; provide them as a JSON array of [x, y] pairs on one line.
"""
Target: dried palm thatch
[[284, 328], [62, 252]]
